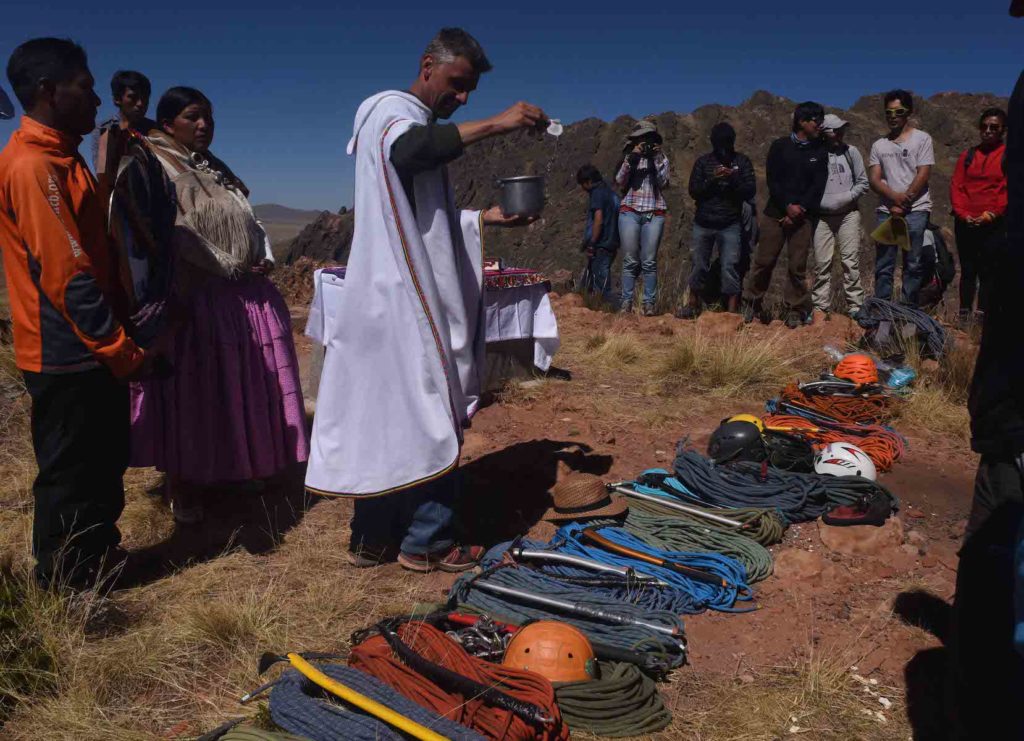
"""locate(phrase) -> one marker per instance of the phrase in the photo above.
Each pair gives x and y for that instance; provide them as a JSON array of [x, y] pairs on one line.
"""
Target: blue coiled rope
[[299, 706], [672, 598], [702, 596], [466, 592]]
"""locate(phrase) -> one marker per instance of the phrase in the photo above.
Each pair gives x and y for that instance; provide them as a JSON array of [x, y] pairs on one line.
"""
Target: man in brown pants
[[796, 170]]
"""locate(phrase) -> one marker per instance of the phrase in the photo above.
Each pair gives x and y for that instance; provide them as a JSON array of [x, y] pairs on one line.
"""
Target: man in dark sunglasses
[[977, 193], [898, 170]]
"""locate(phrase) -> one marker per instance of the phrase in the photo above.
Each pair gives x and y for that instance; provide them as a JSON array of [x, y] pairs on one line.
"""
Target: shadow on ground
[[252, 517], [925, 674], [506, 492]]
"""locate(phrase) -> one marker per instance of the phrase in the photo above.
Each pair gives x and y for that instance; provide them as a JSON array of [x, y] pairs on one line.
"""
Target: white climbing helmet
[[844, 459]]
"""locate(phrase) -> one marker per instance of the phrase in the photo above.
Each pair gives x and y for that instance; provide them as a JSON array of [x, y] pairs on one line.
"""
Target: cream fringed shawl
[[215, 229]]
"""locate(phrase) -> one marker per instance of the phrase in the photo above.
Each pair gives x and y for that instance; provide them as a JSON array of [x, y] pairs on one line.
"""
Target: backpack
[[945, 266]]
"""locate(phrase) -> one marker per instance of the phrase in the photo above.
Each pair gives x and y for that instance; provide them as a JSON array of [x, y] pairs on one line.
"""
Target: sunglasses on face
[[991, 127], [896, 112]]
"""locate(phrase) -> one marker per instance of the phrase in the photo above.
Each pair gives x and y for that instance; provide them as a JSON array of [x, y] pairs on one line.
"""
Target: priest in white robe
[[402, 370]]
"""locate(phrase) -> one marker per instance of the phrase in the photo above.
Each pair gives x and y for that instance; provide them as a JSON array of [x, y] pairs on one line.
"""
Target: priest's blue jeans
[[914, 262], [639, 237], [419, 519]]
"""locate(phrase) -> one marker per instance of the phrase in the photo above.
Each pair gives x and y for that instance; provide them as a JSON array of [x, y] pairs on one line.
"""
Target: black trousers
[[976, 246], [80, 424], [987, 674]]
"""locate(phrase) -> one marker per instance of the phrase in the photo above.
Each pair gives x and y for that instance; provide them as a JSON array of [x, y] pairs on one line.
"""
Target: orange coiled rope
[[883, 446], [869, 409], [374, 656]]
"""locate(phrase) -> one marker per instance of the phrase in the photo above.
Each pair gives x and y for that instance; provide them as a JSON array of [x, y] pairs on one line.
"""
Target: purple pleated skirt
[[233, 409]]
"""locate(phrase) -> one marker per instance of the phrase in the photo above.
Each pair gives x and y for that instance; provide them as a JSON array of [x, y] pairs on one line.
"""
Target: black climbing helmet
[[736, 441], [789, 452]]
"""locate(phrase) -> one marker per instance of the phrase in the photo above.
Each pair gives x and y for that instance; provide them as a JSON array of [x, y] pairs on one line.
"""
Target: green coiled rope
[[680, 532], [623, 702]]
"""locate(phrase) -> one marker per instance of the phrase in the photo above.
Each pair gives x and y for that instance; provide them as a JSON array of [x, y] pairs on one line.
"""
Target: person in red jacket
[[978, 195], [69, 315]]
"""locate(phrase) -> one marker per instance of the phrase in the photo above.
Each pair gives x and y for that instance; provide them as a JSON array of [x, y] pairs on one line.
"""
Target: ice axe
[[688, 571]]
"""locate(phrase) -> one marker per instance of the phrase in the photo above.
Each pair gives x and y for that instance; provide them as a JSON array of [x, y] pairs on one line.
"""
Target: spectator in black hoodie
[[720, 182], [796, 170]]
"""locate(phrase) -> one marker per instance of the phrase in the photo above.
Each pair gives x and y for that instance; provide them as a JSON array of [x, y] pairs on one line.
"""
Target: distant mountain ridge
[[553, 242], [278, 214]]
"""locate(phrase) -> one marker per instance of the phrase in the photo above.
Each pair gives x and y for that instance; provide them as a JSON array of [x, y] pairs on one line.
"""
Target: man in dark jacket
[[987, 674], [720, 182], [796, 170]]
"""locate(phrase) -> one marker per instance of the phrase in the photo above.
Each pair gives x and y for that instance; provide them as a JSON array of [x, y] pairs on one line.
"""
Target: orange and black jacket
[[61, 275]]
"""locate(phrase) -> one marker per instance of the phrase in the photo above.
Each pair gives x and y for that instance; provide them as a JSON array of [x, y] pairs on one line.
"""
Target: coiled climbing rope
[[764, 526], [668, 642], [623, 702], [870, 409], [671, 531], [876, 310], [732, 587], [299, 706], [800, 497], [375, 657], [882, 445]]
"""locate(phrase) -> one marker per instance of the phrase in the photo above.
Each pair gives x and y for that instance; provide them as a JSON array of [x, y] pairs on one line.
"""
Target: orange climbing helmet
[[556, 651], [858, 368]]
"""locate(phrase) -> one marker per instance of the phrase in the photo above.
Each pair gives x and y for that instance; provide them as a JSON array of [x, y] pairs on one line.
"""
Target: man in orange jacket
[[67, 310]]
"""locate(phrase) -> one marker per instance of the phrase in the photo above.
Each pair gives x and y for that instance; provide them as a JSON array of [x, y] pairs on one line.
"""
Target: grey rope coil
[[299, 706]]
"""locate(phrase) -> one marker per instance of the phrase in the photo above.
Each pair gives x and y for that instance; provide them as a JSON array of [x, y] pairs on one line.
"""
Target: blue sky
[[286, 77]]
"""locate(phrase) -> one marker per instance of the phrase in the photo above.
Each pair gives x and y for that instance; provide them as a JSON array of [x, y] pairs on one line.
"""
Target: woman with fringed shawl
[[232, 410]]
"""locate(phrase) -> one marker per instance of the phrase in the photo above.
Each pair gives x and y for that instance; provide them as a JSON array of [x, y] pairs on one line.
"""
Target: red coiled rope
[[869, 409], [883, 446], [374, 656]]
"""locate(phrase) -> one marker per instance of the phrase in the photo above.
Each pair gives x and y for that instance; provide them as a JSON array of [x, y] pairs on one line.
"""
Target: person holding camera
[[642, 176], [796, 171]]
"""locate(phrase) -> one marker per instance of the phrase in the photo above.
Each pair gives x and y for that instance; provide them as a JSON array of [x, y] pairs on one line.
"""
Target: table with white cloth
[[521, 329]]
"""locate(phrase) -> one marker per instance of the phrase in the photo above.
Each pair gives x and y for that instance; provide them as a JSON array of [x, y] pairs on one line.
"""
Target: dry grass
[[815, 698], [746, 364], [934, 409]]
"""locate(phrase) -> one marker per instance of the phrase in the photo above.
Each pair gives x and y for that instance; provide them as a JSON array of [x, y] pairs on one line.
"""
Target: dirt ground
[[858, 607]]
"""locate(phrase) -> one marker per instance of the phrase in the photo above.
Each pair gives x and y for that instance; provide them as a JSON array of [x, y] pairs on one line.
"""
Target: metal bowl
[[522, 195]]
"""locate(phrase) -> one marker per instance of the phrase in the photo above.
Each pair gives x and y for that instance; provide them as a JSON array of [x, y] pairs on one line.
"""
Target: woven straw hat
[[581, 496]]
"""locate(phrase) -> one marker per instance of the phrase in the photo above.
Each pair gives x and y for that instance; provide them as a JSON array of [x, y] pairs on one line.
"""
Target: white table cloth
[[515, 313]]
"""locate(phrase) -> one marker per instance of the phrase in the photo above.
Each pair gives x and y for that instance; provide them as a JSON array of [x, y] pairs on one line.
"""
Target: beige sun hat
[[580, 496]]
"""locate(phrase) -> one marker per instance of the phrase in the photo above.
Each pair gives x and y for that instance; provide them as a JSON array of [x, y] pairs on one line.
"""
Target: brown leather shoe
[[455, 559]]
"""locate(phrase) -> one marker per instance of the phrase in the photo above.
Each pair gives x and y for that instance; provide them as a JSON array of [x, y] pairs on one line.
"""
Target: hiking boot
[[648, 309], [367, 556], [749, 311], [626, 308], [455, 559], [793, 319], [688, 312]]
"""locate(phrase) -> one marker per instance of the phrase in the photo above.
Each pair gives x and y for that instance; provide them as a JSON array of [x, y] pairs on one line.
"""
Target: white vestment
[[403, 365]]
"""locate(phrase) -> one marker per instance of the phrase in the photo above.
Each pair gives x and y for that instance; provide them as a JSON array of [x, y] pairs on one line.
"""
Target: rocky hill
[[552, 243]]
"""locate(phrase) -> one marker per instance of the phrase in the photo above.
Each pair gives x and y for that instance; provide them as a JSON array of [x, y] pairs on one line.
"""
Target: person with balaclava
[[720, 182]]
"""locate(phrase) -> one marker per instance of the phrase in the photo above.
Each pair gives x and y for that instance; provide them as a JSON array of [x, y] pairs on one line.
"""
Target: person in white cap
[[838, 219]]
